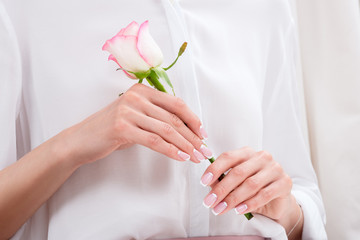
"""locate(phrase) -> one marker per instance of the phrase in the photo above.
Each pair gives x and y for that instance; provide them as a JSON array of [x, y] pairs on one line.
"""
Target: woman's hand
[[255, 183], [143, 116]]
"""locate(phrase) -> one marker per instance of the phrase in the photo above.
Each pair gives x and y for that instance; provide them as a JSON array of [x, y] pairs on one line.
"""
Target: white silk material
[[237, 75]]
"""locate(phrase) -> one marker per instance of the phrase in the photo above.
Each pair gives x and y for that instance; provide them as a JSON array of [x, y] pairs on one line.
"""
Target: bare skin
[[257, 182], [140, 116]]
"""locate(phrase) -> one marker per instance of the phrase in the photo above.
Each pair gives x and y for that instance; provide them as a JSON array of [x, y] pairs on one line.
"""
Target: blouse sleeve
[[10, 90], [283, 134]]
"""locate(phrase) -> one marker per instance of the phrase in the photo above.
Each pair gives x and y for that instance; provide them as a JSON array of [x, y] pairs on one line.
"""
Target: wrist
[[62, 151], [292, 219]]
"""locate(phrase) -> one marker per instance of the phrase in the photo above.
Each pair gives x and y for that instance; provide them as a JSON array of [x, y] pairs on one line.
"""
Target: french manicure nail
[[241, 209], [183, 156], [209, 200], [206, 151], [203, 132], [198, 155], [219, 208], [206, 179]]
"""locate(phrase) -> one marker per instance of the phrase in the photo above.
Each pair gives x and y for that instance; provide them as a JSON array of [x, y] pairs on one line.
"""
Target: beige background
[[329, 40]]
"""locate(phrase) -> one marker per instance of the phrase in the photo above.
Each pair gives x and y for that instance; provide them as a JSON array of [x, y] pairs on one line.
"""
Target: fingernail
[[203, 132], [198, 155], [207, 152], [206, 179], [209, 200], [241, 209], [184, 156], [219, 208]]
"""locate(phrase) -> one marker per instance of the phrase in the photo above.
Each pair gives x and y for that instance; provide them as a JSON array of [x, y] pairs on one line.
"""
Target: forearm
[[293, 220], [28, 183]]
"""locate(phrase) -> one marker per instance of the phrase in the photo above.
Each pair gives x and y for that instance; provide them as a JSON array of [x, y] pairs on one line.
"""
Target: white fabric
[[330, 49], [238, 75]]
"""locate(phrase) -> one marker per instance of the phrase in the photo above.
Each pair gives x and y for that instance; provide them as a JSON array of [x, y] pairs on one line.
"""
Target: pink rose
[[134, 50]]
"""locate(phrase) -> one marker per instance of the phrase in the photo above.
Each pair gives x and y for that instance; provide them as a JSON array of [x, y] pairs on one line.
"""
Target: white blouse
[[237, 75]]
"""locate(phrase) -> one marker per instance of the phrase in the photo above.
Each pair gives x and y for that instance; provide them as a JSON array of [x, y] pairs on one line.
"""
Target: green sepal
[[148, 80], [138, 75], [141, 75], [154, 79], [163, 75]]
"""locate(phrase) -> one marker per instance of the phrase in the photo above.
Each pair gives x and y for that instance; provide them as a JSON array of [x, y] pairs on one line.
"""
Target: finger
[[170, 118], [264, 196], [135, 114], [178, 107], [156, 143], [224, 162], [250, 187], [169, 134], [232, 180]]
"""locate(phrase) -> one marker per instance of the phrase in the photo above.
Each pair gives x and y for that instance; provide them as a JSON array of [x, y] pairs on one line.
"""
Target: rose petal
[[131, 30], [123, 48], [121, 32], [147, 47], [130, 75]]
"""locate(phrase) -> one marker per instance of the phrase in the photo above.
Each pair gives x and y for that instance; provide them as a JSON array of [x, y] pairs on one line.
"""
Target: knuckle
[[188, 147], [136, 87], [153, 140], [167, 129], [171, 150], [246, 148], [238, 171], [120, 126], [123, 111], [247, 151], [253, 183], [195, 139], [227, 155], [253, 204], [196, 122], [220, 190], [267, 194], [176, 121], [131, 96], [179, 103], [277, 167], [232, 199], [265, 155]]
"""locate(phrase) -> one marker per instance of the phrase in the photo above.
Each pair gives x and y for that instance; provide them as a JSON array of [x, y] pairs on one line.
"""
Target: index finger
[[178, 107], [223, 163]]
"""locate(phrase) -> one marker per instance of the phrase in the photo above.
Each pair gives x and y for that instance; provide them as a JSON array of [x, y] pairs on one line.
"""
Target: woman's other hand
[[255, 183]]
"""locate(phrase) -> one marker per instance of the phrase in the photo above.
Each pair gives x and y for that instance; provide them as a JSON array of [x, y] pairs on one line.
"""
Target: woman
[[122, 172]]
